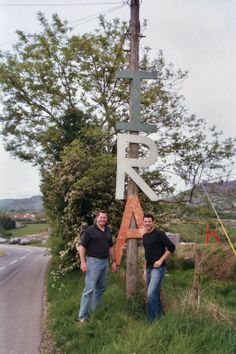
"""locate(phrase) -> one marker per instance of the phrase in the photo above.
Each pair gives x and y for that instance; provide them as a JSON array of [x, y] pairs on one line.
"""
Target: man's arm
[[82, 253], [160, 261], [112, 258]]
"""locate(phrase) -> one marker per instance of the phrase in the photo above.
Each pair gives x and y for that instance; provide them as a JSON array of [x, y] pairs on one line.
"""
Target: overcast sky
[[197, 36]]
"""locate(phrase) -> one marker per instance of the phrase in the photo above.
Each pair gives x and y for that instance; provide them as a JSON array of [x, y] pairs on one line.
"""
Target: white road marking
[[14, 261], [2, 268], [22, 257]]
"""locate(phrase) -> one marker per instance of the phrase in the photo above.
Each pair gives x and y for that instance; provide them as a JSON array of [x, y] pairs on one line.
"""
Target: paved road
[[22, 272]]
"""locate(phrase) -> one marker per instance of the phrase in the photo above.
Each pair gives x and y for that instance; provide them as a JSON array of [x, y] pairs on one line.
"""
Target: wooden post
[[132, 244], [196, 278]]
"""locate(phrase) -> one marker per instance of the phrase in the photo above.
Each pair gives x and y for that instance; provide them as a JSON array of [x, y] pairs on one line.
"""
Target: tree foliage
[[6, 223], [81, 183], [61, 101]]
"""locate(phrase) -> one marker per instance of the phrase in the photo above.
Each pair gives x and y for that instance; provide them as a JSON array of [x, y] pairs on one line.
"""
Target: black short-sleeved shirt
[[96, 241], [155, 244]]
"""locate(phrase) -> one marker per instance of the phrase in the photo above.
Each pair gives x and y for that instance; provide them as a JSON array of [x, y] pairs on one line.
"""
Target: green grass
[[196, 233], [29, 229], [120, 326], [190, 232]]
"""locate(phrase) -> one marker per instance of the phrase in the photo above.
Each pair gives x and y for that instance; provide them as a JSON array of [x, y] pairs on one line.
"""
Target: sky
[[197, 36]]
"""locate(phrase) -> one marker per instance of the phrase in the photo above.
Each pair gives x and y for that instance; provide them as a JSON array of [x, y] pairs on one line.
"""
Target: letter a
[[132, 207]]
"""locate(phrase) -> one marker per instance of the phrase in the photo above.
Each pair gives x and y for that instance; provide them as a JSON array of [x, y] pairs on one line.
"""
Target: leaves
[[61, 101]]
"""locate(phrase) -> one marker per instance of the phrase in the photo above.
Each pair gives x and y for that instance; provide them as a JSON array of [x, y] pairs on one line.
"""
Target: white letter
[[124, 164]]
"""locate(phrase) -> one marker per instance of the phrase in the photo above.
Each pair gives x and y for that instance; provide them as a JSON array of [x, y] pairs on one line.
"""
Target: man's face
[[102, 219], [148, 224]]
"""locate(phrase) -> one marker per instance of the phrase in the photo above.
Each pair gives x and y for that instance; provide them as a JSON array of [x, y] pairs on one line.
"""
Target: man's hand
[[158, 264], [113, 267], [142, 231], [144, 274], [83, 267]]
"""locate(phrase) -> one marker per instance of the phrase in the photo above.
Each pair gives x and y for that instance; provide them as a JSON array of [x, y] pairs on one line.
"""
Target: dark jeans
[[154, 277]]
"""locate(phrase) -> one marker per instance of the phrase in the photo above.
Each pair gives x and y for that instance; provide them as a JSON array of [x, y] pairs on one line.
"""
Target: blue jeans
[[95, 283], [154, 277]]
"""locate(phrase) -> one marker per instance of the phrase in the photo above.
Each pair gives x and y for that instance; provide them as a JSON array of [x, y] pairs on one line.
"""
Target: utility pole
[[132, 244]]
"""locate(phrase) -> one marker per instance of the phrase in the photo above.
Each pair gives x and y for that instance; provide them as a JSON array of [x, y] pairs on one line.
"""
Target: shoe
[[82, 320]]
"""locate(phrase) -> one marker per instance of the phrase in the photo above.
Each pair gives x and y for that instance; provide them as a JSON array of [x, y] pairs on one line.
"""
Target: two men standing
[[95, 249]]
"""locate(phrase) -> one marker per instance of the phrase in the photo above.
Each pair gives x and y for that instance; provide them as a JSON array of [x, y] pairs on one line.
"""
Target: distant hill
[[34, 203], [222, 195]]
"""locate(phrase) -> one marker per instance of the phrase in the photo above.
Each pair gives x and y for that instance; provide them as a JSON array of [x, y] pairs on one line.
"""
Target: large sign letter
[[132, 208], [136, 77], [125, 164]]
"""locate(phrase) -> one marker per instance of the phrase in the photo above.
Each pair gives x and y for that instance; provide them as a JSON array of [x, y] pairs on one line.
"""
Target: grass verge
[[119, 326]]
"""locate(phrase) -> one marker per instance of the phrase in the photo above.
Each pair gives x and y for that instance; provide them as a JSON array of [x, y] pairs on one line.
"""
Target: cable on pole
[[221, 223]]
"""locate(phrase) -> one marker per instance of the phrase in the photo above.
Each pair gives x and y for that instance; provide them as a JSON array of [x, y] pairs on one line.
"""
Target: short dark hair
[[101, 211], [148, 215]]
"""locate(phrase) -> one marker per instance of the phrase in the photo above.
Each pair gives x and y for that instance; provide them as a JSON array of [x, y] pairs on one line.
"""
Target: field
[[29, 229], [191, 232]]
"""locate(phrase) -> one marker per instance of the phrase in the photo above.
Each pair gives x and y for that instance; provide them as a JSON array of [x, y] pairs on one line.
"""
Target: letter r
[[125, 164]]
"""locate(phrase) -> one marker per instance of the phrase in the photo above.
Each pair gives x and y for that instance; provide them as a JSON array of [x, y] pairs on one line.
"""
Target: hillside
[[34, 203], [222, 195]]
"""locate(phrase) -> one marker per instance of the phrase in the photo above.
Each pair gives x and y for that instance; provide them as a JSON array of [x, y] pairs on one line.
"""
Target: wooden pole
[[196, 278], [132, 244]]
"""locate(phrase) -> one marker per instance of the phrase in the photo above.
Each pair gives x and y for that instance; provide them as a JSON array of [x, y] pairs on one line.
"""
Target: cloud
[[200, 37], [17, 179]]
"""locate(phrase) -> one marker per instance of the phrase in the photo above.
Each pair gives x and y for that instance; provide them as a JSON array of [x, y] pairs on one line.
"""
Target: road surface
[[22, 272]]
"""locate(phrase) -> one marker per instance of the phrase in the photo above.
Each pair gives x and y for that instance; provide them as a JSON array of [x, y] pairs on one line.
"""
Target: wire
[[86, 19], [221, 224], [70, 4], [95, 16]]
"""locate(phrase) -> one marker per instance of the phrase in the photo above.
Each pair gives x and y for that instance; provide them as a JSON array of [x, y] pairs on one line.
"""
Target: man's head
[[148, 222], [101, 218]]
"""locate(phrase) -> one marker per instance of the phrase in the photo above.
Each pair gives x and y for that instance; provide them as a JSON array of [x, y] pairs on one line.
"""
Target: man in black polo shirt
[[158, 248], [95, 249]]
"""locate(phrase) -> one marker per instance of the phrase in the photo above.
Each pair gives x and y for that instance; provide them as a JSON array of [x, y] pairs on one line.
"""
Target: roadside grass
[[29, 229], [39, 243], [119, 325], [221, 292]]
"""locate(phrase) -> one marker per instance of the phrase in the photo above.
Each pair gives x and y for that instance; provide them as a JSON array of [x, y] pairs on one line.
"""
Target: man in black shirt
[[95, 249], [158, 248]]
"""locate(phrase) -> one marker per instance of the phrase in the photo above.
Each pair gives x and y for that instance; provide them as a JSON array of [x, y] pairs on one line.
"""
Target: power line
[[85, 19], [95, 16], [68, 4]]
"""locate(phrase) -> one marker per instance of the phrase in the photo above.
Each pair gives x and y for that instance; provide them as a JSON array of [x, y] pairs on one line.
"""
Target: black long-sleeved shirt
[[155, 244]]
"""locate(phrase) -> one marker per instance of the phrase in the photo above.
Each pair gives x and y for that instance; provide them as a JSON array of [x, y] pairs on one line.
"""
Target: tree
[[6, 223], [83, 181], [54, 72], [61, 102]]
